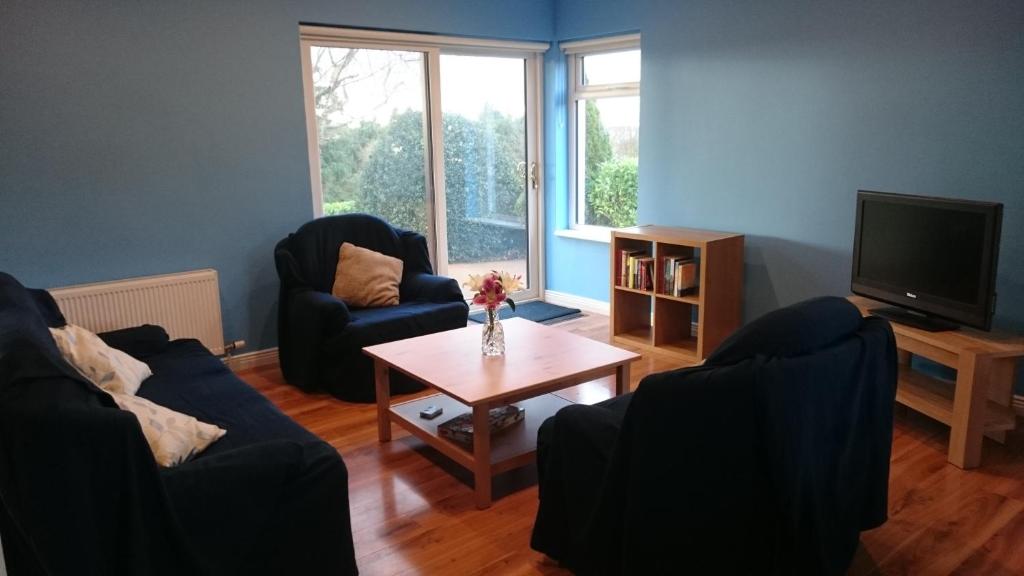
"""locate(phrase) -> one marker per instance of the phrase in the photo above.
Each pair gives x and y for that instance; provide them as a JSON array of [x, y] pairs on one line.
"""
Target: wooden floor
[[413, 511]]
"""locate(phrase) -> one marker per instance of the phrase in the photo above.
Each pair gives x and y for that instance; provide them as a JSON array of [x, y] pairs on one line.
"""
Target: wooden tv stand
[[979, 402]]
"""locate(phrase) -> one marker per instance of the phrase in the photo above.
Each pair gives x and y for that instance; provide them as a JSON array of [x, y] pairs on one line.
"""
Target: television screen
[[931, 255]]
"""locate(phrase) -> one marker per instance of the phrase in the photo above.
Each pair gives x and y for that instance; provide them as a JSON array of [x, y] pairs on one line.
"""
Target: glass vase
[[492, 339]]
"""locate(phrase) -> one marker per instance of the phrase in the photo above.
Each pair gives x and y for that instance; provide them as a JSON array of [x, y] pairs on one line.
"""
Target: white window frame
[[577, 91], [433, 46]]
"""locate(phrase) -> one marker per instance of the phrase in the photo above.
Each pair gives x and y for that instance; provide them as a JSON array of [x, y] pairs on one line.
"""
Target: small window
[[611, 68], [604, 138]]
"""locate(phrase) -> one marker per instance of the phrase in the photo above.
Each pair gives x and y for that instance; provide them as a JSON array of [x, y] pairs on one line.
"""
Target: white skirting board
[[249, 360], [572, 301]]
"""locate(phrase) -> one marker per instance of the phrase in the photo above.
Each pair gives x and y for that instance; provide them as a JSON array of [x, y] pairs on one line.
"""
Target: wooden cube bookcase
[[658, 321]]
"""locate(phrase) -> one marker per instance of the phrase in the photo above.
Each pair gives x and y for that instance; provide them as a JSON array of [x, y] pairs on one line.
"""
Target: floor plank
[[413, 511]]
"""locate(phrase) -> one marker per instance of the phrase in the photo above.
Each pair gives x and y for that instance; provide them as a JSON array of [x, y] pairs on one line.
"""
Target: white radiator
[[186, 304]]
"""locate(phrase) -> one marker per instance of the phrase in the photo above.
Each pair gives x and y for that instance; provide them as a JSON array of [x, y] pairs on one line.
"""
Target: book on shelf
[[460, 428], [644, 273], [679, 275], [626, 263], [636, 270]]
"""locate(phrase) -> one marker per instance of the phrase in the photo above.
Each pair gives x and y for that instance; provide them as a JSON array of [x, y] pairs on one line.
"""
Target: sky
[[384, 81]]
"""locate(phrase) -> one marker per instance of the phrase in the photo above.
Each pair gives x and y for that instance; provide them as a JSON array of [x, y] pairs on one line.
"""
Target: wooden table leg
[[482, 456], [383, 381], [622, 379], [1000, 389], [969, 400]]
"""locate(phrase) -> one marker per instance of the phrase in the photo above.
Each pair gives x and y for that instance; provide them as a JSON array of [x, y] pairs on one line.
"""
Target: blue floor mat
[[537, 311]]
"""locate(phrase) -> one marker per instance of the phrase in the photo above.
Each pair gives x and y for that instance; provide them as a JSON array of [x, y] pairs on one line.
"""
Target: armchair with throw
[[320, 338], [768, 459]]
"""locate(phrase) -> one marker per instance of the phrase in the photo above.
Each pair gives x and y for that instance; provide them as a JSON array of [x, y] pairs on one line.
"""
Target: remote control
[[431, 412]]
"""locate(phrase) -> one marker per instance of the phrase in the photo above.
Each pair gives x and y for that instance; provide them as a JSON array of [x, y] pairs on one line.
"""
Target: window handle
[[533, 175]]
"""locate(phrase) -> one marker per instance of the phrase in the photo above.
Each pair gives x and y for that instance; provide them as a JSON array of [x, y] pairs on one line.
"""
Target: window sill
[[590, 233]]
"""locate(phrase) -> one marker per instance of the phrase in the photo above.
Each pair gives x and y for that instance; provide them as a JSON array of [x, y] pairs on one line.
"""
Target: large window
[[604, 130], [433, 134]]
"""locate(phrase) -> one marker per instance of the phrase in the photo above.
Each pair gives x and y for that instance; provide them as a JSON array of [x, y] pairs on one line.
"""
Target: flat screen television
[[934, 258]]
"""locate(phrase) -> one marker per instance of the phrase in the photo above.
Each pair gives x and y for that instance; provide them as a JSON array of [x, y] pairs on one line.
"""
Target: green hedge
[[343, 207], [613, 198], [381, 171]]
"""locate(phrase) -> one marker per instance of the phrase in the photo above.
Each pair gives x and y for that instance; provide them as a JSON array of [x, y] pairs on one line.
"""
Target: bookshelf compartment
[[623, 275], [673, 323], [632, 315], [686, 348], [637, 337], [666, 254]]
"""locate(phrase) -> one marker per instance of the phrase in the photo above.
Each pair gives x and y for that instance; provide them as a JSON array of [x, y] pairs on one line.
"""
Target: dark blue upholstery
[[186, 378], [47, 307], [320, 338], [796, 330], [770, 458], [139, 341], [80, 492]]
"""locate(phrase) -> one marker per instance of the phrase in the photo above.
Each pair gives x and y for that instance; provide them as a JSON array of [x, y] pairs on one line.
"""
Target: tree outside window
[[606, 98], [370, 120]]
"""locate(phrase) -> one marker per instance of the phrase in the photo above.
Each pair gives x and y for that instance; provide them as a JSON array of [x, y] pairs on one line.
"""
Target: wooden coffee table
[[538, 360]]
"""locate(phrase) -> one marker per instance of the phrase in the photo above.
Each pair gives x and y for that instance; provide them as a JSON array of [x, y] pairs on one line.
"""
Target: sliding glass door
[[488, 165], [440, 141], [372, 133]]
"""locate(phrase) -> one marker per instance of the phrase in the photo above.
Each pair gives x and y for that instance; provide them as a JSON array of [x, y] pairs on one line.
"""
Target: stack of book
[[636, 270], [680, 275], [460, 428]]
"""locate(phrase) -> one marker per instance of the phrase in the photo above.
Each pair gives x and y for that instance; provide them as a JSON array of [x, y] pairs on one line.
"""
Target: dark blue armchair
[[320, 338], [770, 458]]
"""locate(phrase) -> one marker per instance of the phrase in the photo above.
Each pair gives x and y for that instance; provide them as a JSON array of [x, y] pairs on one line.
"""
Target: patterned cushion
[[172, 436], [106, 367]]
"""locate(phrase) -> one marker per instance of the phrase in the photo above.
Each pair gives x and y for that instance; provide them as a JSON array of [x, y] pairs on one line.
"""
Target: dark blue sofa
[[82, 494], [320, 338], [768, 459]]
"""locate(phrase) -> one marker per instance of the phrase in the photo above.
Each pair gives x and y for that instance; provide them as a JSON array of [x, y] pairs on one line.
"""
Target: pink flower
[[490, 284], [490, 288]]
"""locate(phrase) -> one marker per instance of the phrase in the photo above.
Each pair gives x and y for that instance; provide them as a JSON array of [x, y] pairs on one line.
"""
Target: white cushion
[[172, 436], [106, 367]]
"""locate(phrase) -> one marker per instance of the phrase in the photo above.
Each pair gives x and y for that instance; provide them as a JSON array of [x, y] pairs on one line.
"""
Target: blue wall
[[139, 138], [573, 266], [143, 137], [766, 117]]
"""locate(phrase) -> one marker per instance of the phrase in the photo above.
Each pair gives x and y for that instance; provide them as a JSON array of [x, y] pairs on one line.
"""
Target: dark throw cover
[[769, 459], [320, 338], [80, 492]]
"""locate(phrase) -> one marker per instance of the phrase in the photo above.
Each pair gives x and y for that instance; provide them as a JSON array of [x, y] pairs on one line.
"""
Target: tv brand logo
[[912, 295]]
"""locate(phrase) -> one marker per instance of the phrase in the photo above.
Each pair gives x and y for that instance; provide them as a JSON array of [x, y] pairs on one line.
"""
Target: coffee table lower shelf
[[510, 448]]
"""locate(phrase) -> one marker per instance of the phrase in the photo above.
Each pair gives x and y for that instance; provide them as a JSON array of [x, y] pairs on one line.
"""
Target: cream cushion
[[172, 436], [106, 367], [366, 279]]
